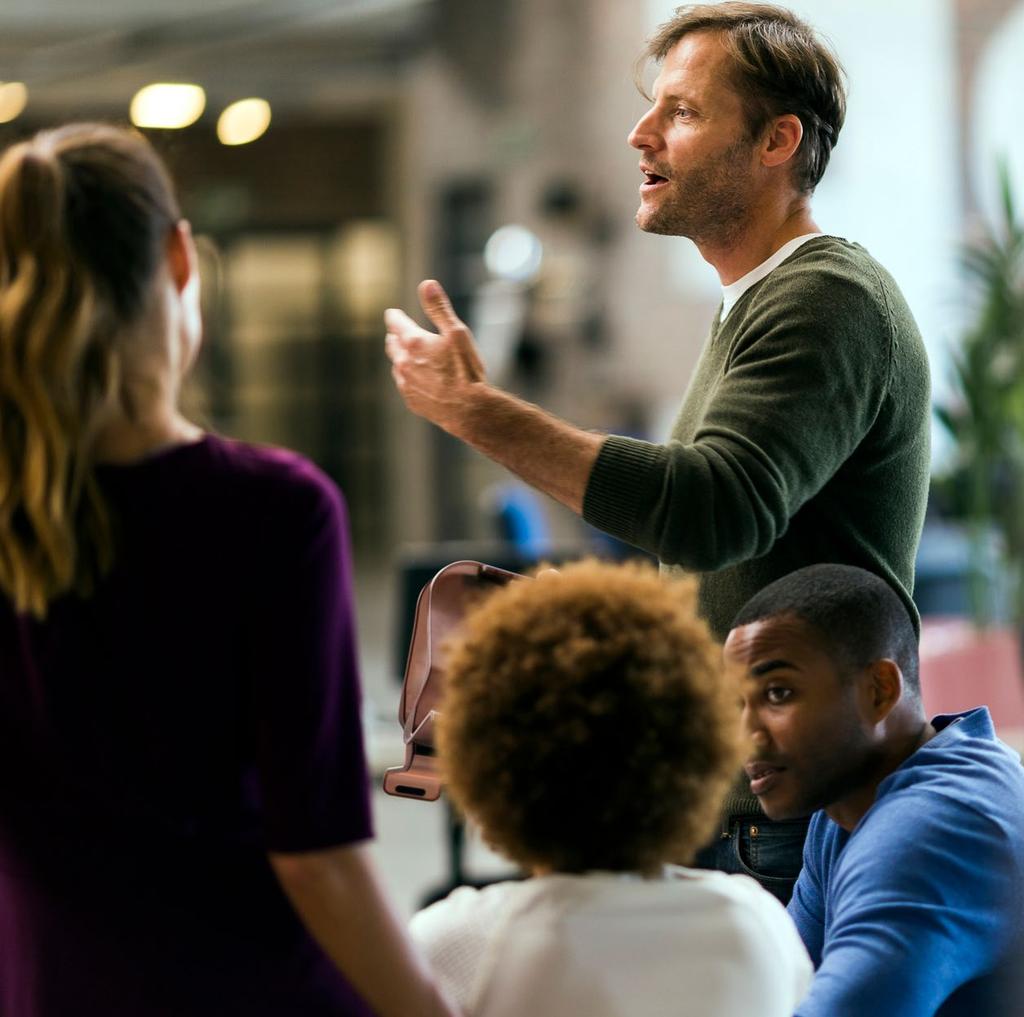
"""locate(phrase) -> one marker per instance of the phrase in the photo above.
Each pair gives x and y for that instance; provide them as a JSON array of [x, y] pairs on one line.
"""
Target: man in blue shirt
[[911, 898]]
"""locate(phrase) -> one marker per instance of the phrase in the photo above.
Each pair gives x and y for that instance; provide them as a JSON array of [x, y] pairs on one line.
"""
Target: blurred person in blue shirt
[[910, 897]]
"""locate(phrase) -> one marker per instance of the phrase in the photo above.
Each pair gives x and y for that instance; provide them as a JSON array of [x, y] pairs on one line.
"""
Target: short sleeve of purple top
[[159, 737]]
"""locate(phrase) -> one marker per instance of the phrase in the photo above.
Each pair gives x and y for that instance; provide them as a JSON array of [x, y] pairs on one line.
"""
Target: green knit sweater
[[802, 438]]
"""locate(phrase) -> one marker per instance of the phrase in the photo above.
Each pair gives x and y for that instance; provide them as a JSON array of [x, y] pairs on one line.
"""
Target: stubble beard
[[709, 203]]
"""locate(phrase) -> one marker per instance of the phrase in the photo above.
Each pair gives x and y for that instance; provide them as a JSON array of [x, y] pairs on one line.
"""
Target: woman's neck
[[123, 439]]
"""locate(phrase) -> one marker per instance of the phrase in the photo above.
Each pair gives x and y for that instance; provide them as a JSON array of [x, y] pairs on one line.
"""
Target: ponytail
[[68, 200]]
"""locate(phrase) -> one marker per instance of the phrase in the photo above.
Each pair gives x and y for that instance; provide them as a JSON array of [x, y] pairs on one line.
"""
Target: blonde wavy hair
[[85, 211], [587, 722]]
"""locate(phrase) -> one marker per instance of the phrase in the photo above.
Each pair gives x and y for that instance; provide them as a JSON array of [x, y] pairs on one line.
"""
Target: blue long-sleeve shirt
[[917, 911]]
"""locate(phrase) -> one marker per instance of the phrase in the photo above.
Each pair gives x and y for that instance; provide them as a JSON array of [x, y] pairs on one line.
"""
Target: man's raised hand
[[434, 372]]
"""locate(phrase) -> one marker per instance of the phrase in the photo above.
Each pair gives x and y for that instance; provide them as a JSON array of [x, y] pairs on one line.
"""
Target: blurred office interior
[[483, 142]]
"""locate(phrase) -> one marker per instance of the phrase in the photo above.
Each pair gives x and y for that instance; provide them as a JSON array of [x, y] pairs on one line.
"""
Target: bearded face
[[708, 200], [699, 160]]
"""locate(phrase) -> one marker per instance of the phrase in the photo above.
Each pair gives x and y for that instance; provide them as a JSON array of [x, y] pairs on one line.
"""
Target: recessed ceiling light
[[167, 105], [13, 97], [243, 121]]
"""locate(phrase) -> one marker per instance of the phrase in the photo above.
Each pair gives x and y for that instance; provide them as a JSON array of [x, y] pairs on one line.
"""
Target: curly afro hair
[[587, 721]]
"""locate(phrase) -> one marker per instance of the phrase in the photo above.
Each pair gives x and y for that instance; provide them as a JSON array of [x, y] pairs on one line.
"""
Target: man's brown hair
[[779, 65], [587, 723]]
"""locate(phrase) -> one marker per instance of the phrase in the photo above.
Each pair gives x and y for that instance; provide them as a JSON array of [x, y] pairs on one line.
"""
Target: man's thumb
[[437, 306]]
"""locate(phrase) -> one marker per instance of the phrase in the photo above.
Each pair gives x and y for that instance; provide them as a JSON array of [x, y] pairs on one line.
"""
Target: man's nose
[[642, 136], [752, 726]]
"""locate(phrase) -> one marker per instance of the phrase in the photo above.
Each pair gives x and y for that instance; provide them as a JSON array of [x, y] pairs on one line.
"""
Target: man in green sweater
[[803, 436]]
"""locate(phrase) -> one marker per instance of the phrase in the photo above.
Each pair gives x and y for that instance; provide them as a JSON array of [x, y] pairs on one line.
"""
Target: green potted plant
[[985, 487]]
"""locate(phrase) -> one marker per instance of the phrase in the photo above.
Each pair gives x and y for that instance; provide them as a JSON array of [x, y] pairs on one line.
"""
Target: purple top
[[158, 738]]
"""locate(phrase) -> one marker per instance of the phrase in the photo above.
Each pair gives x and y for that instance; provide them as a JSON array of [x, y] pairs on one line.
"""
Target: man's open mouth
[[651, 179], [763, 776]]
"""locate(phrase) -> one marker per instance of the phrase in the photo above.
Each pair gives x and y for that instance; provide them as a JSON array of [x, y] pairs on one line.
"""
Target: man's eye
[[777, 694], [682, 111]]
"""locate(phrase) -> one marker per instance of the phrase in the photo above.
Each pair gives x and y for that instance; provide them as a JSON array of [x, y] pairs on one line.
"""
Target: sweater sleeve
[[802, 386], [919, 909]]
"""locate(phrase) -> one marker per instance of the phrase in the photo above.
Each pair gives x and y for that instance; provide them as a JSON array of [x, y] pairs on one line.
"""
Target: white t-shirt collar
[[732, 293]]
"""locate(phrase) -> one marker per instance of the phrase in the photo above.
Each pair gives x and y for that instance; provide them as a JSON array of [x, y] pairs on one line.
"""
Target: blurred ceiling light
[[13, 97], [243, 121], [513, 253], [167, 105]]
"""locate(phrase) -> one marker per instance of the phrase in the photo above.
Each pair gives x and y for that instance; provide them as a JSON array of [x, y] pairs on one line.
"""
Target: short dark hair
[[858, 615], [587, 723], [779, 65]]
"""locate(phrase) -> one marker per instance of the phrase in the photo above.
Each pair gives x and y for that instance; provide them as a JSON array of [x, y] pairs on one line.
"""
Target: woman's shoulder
[[465, 907], [458, 937], [744, 913], [277, 478], [231, 490], [731, 886], [257, 460]]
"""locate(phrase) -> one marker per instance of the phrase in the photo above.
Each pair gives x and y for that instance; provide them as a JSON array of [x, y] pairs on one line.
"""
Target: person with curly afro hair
[[589, 730]]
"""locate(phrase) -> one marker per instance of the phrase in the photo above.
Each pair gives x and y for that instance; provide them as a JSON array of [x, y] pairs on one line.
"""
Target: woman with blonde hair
[[183, 795]]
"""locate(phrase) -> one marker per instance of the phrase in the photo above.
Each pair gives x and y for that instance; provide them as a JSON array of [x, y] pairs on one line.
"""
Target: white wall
[[996, 116]]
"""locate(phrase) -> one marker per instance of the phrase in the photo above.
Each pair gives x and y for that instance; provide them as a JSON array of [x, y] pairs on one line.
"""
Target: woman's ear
[[183, 276], [182, 261]]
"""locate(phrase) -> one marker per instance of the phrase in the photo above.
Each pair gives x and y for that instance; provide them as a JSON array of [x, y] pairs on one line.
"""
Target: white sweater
[[693, 943]]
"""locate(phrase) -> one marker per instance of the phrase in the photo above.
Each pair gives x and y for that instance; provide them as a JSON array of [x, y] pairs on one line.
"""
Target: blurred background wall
[[405, 133]]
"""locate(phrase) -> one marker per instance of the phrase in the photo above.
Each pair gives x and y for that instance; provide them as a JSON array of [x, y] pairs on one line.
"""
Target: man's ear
[[182, 261], [782, 140], [884, 688]]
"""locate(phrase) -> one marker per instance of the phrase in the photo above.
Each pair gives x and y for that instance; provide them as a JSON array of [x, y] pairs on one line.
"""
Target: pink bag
[[441, 605]]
